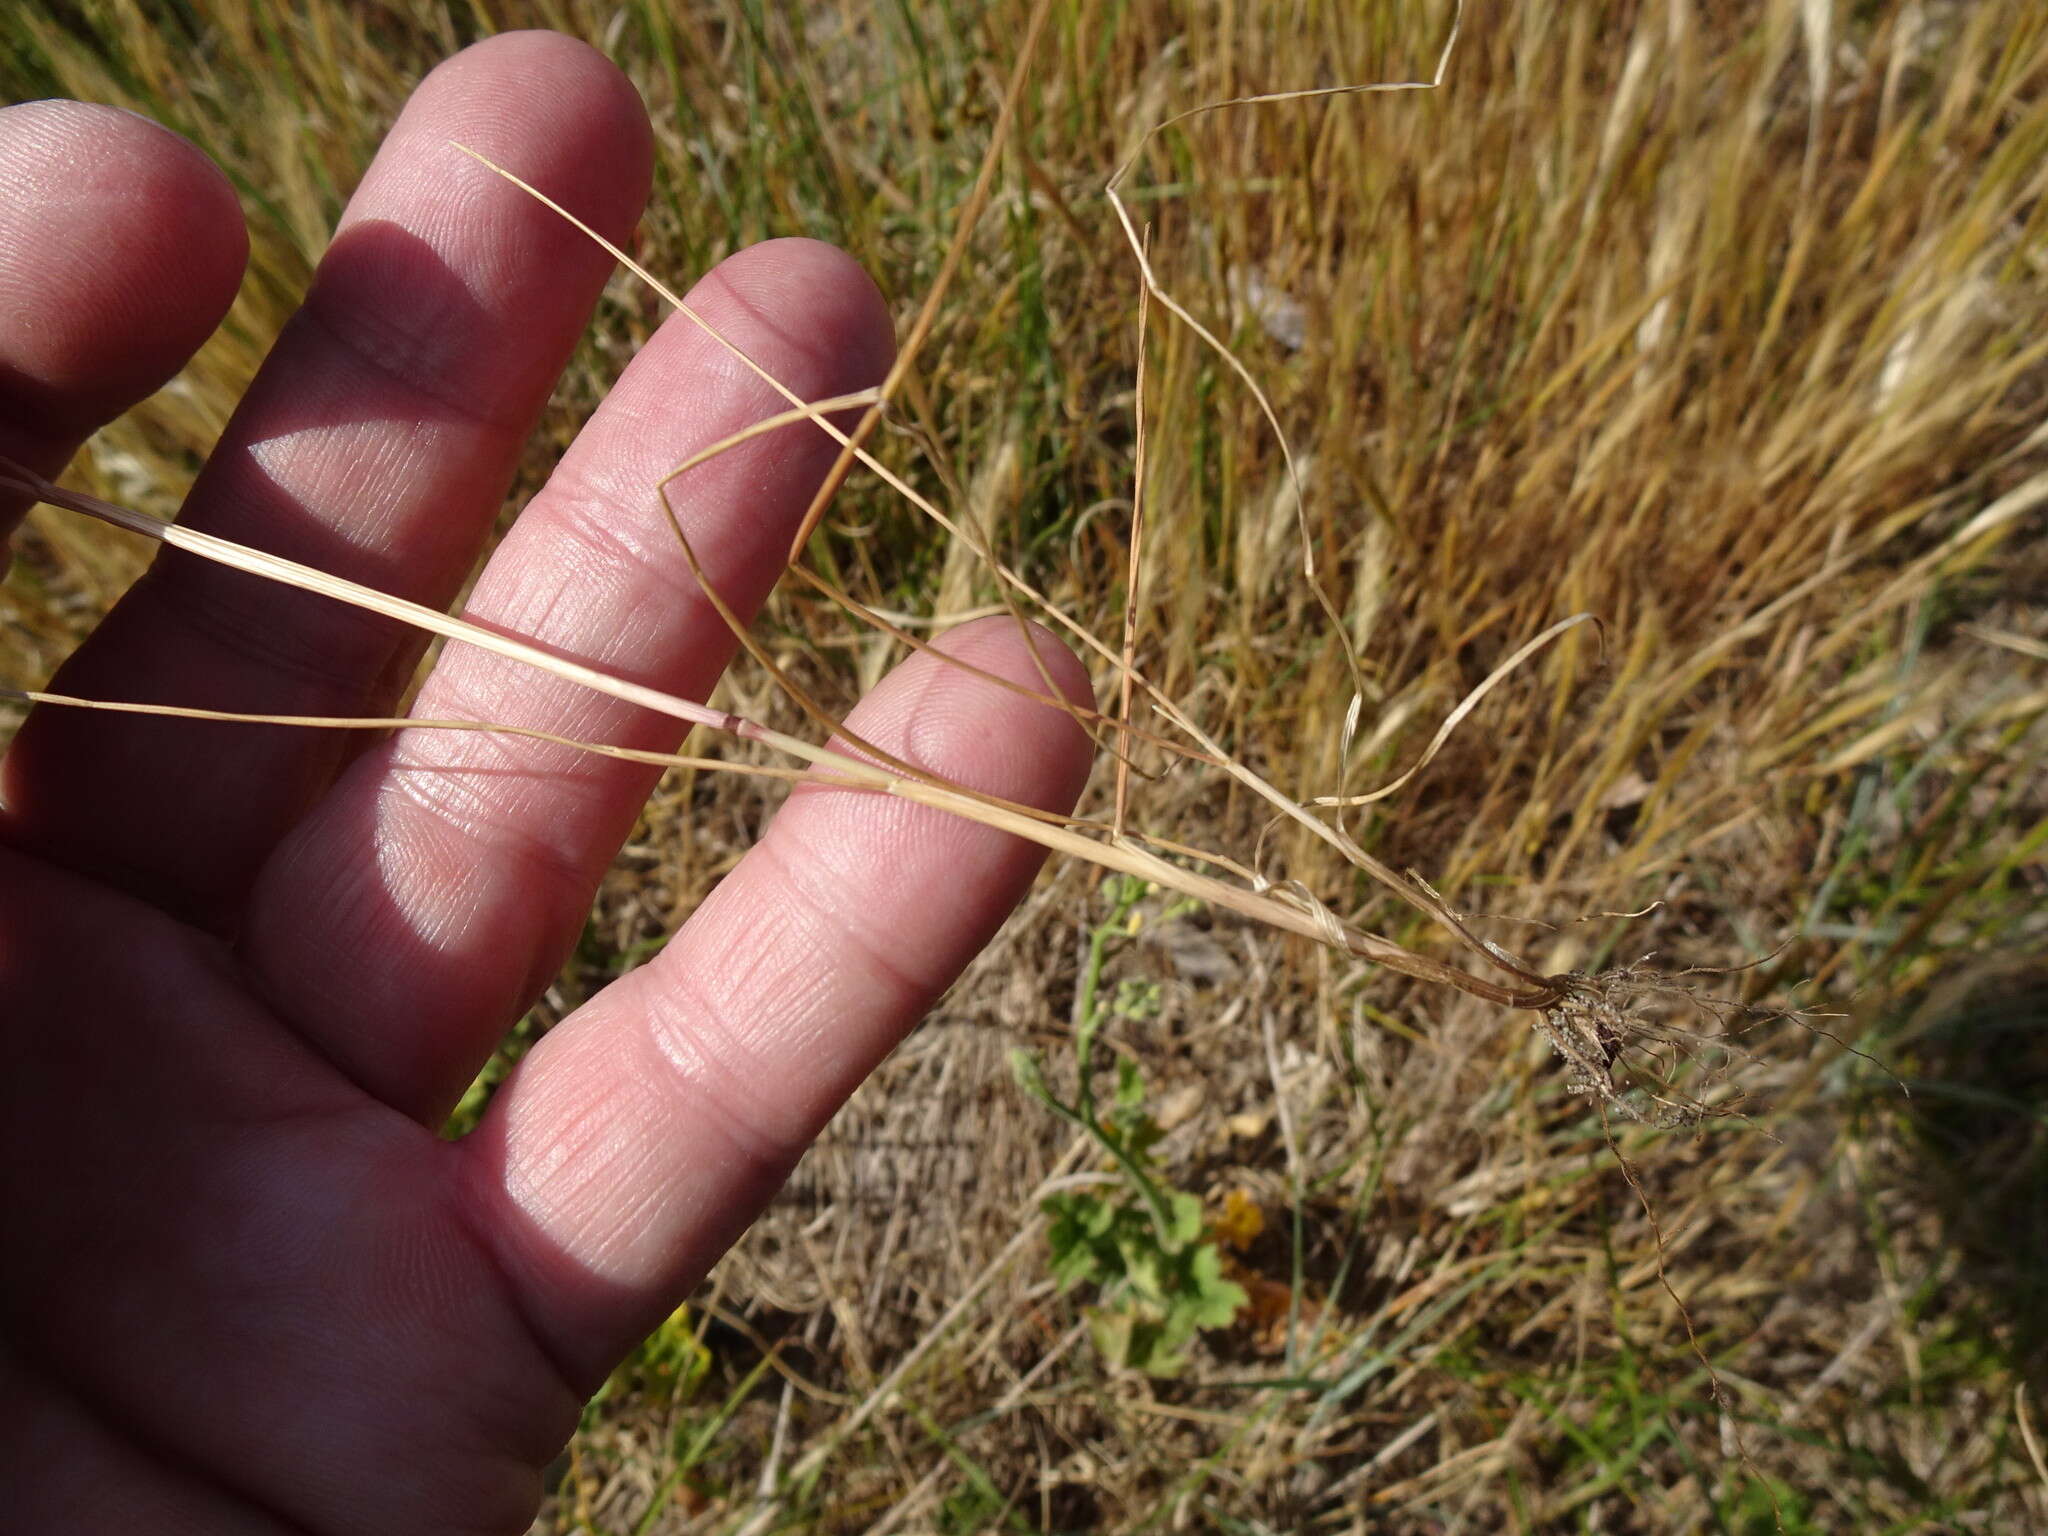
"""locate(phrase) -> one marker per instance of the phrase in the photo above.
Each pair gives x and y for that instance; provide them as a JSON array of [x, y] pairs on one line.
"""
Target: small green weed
[[1140, 1243], [675, 1366]]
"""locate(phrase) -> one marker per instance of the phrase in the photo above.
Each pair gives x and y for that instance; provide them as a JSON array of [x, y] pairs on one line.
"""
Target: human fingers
[[467, 862], [377, 442]]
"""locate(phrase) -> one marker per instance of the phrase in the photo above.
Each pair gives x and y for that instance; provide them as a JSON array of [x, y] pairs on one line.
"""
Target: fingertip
[[1008, 645], [591, 115], [843, 316], [955, 721], [121, 247]]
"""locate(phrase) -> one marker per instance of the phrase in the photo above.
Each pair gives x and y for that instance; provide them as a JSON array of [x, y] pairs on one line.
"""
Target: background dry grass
[[1723, 322]]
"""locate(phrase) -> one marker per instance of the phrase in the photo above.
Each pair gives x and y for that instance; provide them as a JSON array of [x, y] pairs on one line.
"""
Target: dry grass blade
[[290, 573], [1269, 907], [1134, 566], [956, 250], [1576, 1010], [1141, 253], [2025, 1420], [415, 723], [1465, 706]]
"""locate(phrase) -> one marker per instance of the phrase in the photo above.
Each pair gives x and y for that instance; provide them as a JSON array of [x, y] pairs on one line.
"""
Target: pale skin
[[247, 970]]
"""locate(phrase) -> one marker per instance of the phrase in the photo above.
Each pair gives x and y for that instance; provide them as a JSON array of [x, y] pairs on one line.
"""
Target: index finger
[[639, 1137]]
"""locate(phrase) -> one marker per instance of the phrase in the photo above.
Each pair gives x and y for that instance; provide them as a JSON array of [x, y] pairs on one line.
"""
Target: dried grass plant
[[1590, 1018]]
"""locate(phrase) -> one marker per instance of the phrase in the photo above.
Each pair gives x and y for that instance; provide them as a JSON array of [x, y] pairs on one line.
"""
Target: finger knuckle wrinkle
[[470, 813], [331, 649], [842, 936], [728, 1084], [415, 360], [589, 517]]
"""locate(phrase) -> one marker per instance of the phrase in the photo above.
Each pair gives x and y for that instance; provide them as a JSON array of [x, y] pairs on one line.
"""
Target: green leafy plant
[[1141, 1244]]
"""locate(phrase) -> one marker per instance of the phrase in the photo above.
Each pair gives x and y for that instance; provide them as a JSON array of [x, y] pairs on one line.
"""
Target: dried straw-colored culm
[[1538, 1025]]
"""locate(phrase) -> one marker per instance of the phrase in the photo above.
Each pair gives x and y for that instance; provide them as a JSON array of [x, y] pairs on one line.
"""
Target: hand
[[246, 970]]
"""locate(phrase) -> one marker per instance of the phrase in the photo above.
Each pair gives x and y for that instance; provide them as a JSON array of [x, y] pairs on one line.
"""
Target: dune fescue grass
[[1726, 324]]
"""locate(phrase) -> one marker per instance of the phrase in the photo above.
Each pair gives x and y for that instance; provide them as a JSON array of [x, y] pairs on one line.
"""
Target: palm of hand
[[241, 1292], [247, 970]]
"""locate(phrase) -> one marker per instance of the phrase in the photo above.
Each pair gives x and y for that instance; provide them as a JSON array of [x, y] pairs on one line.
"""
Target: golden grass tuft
[[1724, 324]]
